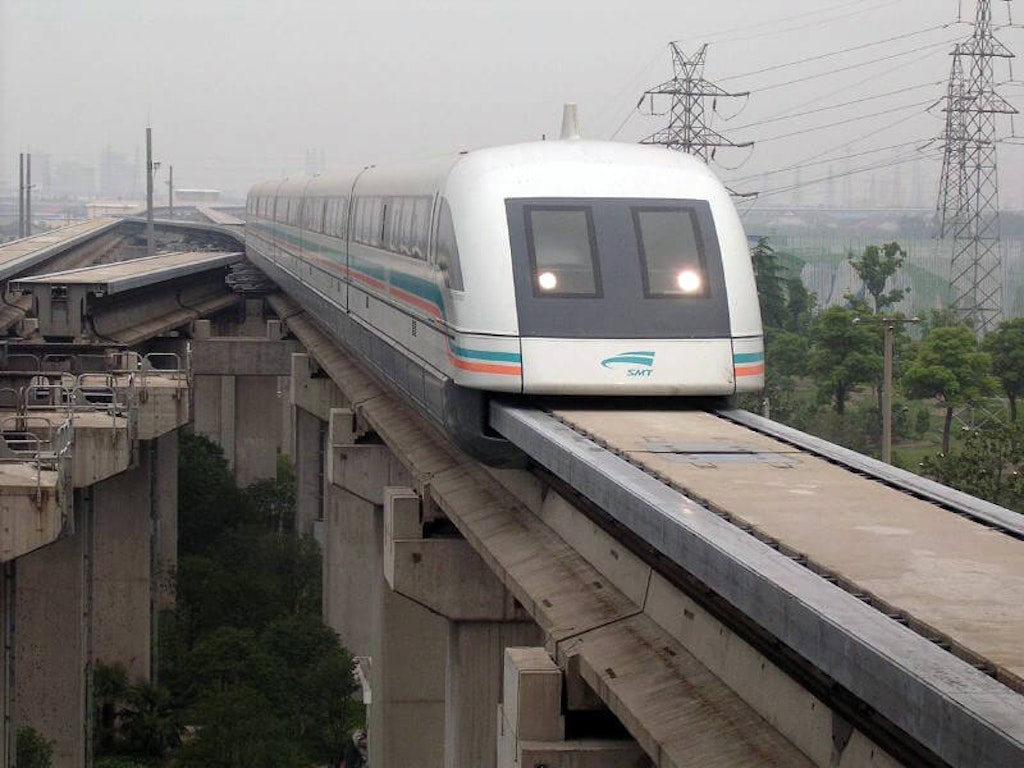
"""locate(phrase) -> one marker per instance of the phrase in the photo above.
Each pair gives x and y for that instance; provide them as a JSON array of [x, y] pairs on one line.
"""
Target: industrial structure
[[968, 202]]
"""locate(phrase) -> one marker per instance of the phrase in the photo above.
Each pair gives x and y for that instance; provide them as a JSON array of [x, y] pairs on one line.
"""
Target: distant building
[[71, 180], [117, 176]]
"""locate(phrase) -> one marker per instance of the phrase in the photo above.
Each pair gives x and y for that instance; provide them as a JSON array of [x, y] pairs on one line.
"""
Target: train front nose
[[620, 296]]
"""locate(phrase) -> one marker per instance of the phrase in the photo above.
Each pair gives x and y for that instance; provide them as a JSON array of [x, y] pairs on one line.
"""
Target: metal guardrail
[[37, 441]]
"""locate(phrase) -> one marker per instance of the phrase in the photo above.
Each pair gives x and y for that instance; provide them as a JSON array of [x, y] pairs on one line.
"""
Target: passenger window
[[446, 249], [671, 252], [562, 251]]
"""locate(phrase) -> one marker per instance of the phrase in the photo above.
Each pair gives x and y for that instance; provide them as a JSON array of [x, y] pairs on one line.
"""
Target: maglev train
[[550, 268]]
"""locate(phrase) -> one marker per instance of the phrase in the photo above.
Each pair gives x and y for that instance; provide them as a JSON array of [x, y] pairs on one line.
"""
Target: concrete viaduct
[[496, 618]]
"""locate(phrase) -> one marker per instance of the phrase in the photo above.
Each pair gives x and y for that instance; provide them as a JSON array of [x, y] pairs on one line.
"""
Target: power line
[[761, 25], [809, 25], [847, 121], [859, 65], [842, 175], [831, 54], [828, 161], [819, 110]]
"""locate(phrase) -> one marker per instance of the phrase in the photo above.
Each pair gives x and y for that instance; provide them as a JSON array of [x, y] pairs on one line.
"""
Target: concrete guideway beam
[[564, 595], [953, 710], [442, 574]]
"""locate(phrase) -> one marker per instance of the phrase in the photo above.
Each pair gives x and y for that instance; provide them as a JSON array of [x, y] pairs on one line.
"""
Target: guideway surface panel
[[20, 255], [135, 273], [576, 606], [950, 573]]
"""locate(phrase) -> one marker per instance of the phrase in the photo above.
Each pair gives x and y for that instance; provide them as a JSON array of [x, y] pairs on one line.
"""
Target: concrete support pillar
[[122, 566], [531, 723], [8, 734], [165, 499], [239, 414], [51, 644], [257, 436], [445, 575], [473, 687], [404, 645], [239, 395], [310, 433]]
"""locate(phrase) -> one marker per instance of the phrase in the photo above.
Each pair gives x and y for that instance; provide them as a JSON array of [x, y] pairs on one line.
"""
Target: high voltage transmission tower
[[968, 202], [688, 129]]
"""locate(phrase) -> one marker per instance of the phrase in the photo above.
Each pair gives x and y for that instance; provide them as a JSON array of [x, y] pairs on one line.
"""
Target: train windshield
[[617, 268]]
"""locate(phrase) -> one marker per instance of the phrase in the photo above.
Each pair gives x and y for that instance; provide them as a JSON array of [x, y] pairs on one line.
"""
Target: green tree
[[1006, 346], [245, 653], [988, 465], [875, 267], [844, 354], [771, 291], [949, 367], [208, 498], [800, 305], [33, 750]]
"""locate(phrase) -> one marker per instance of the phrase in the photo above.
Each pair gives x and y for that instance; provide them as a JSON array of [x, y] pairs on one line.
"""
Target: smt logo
[[636, 364]]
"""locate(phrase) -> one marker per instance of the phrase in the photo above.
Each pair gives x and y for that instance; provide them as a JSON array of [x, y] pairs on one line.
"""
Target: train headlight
[[688, 281], [547, 281]]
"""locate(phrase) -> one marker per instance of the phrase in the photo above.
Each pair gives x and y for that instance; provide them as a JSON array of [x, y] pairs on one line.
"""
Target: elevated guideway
[[132, 300], [895, 611], [220, 217], [694, 487], [21, 256]]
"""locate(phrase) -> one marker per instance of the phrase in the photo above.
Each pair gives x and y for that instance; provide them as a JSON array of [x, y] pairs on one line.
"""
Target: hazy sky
[[239, 90]]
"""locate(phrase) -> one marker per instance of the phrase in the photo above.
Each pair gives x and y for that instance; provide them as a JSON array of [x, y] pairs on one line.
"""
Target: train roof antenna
[[570, 123]]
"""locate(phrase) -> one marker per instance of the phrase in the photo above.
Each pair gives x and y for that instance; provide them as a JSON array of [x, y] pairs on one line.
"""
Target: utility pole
[[689, 129], [28, 195], [968, 202], [170, 192], [890, 336], [150, 250], [21, 195]]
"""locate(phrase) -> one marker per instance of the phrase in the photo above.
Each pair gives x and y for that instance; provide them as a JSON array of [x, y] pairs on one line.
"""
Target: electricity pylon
[[968, 201], [688, 129]]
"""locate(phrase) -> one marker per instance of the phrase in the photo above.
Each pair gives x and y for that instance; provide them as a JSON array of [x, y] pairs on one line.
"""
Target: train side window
[[362, 219], [331, 217], [420, 227], [446, 249], [562, 249], [341, 217], [671, 252]]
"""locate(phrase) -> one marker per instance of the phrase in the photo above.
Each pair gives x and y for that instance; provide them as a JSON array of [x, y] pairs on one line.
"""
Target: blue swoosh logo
[[645, 359]]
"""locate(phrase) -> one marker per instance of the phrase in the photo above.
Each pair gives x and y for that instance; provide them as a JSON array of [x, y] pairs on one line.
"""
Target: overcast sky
[[239, 90]]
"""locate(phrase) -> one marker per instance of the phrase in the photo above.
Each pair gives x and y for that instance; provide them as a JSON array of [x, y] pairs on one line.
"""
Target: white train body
[[551, 268]]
